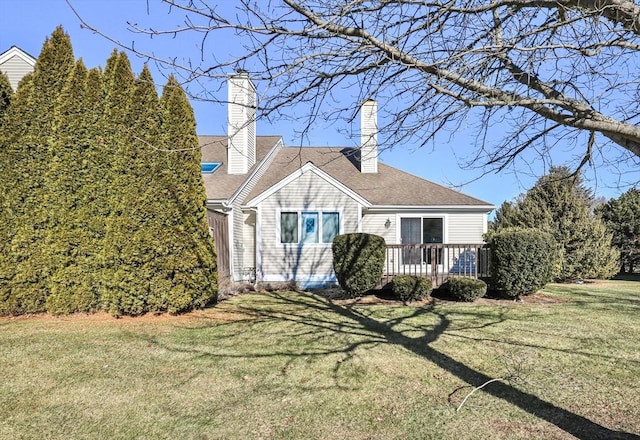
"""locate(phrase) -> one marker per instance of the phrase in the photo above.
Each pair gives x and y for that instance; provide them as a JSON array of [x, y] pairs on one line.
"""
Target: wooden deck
[[437, 261]]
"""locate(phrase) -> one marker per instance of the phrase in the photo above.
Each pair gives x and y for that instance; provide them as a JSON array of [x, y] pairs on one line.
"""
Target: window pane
[[410, 230], [330, 226], [309, 227], [432, 230], [410, 234], [288, 227], [209, 167]]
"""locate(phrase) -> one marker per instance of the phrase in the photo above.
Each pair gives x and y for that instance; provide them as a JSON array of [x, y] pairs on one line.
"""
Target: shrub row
[[522, 262]]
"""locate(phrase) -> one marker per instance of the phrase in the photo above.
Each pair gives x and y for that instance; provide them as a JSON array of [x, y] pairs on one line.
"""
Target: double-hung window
[[309, 226]]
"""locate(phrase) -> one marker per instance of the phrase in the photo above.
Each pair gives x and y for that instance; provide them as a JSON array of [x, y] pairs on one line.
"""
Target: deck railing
[[437, 261]]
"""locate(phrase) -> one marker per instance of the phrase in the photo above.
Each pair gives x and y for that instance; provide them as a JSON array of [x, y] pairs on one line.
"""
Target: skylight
[[209, 167]]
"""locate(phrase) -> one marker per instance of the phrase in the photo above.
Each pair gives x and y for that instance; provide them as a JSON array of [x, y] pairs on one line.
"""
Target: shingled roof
[[220, 185], [389, 187]]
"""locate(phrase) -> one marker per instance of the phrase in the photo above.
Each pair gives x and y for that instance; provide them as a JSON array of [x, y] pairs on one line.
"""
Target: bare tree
[[562, 71]]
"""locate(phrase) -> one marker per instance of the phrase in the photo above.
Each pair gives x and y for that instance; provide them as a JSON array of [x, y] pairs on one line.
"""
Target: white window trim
[[445, 226], [258, 247], [299, 212]]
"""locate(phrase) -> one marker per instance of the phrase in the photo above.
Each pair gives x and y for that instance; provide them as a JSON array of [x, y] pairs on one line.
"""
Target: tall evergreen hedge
[[118, 84], [6, 179], [103, 201]]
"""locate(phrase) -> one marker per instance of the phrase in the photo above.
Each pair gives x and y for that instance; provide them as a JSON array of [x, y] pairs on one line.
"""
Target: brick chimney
[[369, 137], [241, 147]]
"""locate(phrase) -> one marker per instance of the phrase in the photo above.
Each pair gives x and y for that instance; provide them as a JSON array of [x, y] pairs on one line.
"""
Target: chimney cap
[[239, 72]]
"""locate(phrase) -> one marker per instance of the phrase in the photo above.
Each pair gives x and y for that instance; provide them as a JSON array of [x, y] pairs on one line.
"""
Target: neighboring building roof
[[389, 187], [16, 63], [219, 185]]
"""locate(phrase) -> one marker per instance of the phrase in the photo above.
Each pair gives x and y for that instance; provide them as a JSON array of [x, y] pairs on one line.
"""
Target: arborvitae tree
[[17, 122], [118, 84], [118, 81], [6, 92], [17, 116], [622, 217], [559, 204], [98, 158], [68, 240], [110, 66], [191, 264], [28, 245], [134, 235], [600, 259]]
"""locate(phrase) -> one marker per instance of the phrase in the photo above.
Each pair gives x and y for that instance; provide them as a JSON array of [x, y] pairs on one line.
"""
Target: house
[[274, 210], [16, 63]]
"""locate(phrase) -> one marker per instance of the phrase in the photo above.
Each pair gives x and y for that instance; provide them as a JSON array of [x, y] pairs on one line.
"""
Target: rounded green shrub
[[466, 289], [411, 288], [358, 261], [522, 261]]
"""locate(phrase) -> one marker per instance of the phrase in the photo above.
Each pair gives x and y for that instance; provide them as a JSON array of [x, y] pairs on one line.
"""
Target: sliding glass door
[[421, 230]]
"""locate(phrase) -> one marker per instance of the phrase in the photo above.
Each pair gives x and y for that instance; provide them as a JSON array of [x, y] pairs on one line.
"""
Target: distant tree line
[[102, 201], [622, 217]]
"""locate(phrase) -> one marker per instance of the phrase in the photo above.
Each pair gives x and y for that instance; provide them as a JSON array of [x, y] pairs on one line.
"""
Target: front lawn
[[298, 366]]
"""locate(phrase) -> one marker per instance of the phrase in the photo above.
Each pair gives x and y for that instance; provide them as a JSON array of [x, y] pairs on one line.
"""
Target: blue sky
[[26, 24]]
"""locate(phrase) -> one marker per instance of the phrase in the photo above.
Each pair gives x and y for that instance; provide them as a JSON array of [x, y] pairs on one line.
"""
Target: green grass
[[297, 366]]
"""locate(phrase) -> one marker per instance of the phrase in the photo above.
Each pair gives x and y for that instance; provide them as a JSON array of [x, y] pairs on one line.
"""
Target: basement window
[[209, 167]]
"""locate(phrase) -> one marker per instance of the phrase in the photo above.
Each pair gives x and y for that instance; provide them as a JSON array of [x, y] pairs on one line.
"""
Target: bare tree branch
[[553, 71]]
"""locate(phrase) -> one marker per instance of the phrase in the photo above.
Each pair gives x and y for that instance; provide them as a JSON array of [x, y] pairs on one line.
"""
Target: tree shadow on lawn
[[628, 277], [606, 301], [385, 332]]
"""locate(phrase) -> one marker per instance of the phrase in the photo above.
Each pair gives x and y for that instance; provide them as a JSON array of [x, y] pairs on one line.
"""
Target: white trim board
[[15, 51]]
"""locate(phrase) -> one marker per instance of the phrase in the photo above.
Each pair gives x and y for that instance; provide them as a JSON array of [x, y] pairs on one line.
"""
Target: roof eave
[[483, 208], [224, 203], [16, 51]]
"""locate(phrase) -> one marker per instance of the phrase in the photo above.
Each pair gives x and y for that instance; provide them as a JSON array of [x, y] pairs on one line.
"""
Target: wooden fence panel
[[219, 229]]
